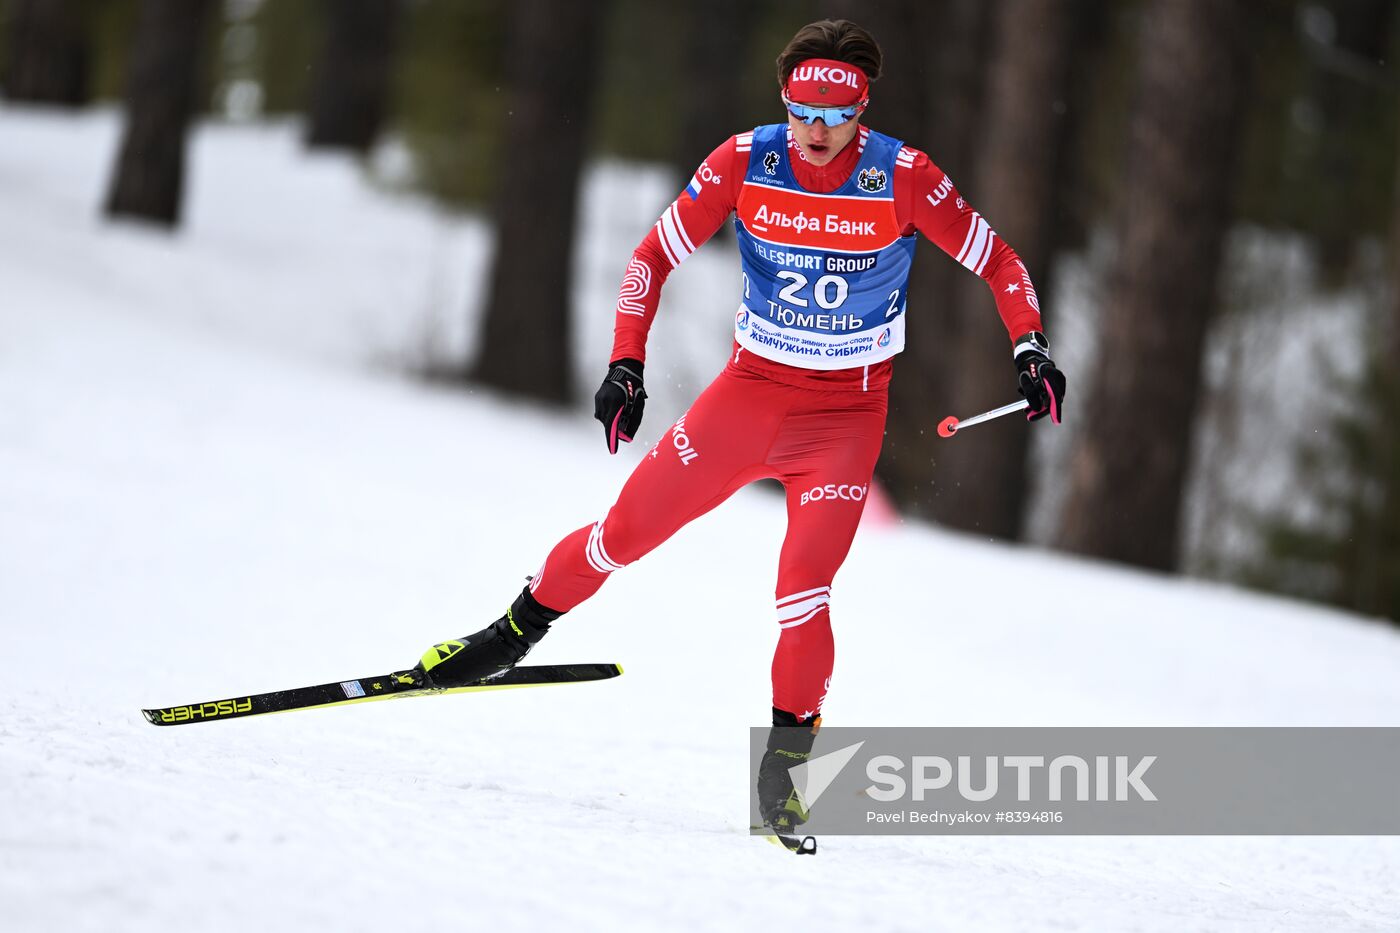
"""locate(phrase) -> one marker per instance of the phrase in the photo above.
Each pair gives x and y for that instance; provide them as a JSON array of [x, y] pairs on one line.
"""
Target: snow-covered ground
[[211, 484]]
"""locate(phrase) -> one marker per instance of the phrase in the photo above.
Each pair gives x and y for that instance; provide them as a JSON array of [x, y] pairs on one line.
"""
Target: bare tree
[[1128, 470], [350, 86], [939, 52], [552, 73], [49, 56], [982, 478], [716, 38], [161, 94]]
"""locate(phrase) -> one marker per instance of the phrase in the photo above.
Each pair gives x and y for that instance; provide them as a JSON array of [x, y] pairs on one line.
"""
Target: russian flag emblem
[[693, 189]]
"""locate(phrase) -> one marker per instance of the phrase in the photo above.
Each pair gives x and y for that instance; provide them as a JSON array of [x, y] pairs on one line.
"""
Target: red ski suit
[[818, 432]]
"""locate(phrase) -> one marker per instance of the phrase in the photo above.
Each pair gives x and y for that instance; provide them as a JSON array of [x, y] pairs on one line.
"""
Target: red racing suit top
[[924, 201]]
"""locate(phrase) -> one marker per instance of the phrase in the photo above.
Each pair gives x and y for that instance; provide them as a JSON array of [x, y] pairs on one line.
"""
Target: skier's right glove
[[1038, 379], [619, 401]]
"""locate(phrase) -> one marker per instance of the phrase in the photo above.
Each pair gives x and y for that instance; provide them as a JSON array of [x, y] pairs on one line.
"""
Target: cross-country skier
[[826, 213]]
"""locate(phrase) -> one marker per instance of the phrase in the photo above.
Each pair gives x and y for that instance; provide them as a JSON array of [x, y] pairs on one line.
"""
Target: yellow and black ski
[[408, 683]]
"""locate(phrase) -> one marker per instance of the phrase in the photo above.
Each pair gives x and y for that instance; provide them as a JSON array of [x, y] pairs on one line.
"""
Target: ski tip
[[619, 669]]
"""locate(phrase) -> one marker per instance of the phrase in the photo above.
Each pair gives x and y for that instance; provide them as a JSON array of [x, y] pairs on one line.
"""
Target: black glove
[[1039, 380], [619, 401]]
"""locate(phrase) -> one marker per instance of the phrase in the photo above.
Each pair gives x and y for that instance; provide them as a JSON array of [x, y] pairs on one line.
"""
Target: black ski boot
[[491, 651], [781, 807]]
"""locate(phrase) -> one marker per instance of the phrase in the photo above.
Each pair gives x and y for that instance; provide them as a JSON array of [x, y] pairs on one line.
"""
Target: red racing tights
[[820, 443]]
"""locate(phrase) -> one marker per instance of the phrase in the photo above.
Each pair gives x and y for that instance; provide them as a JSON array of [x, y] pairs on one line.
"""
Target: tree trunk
[[982, 478], [1363, 29], [950, 44], [1377, 587], [527, 342], [350, 88], [716, 38], [49, 57], [161, 94], [1129, 468]]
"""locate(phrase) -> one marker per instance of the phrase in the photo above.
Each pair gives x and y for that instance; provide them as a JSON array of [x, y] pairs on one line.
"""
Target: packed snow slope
[[206, 490]]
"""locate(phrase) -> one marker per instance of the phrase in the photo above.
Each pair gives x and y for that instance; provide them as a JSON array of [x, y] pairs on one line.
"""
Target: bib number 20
[[829, 291]]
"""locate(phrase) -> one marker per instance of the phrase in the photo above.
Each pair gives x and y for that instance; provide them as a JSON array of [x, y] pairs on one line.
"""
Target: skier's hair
[[837, 39]]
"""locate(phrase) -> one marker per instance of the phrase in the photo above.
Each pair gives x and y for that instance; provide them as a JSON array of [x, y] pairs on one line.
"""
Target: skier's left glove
[[619, 402], [1038, 378]]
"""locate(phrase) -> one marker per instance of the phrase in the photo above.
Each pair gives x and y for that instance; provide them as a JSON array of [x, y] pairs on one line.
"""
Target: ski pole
[[950, 425]]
